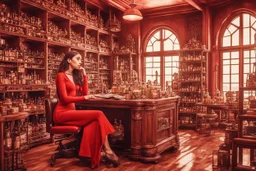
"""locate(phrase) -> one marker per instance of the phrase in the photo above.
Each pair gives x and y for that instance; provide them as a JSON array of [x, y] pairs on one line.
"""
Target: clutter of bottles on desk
[[141, 90]]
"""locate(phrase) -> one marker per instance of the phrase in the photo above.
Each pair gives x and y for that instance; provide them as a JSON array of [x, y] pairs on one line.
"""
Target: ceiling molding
[[168, 10], [214, 3], [117, 4], [195, 4], [98, 4]]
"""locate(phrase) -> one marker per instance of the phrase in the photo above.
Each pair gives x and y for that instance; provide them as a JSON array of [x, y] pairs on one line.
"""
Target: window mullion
[[162, 66], [241, 59]]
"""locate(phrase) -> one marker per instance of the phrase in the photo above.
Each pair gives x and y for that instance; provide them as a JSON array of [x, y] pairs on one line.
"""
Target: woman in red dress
[[96, 127]]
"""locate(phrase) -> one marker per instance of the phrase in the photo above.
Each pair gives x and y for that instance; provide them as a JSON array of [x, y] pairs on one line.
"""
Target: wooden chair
[[64, 132]]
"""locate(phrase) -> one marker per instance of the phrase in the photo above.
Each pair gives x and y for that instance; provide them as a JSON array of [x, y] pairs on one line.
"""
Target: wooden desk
[[144, 133], [219, 107], [214, 106]]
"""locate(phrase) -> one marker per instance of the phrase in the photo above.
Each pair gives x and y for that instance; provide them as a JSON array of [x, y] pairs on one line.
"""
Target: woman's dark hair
[[77, 75]]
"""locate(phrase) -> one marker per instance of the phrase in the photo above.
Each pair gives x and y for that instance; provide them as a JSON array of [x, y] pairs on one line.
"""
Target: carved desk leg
[[149, 135], [136, 132], [143, 146], [176, 126]]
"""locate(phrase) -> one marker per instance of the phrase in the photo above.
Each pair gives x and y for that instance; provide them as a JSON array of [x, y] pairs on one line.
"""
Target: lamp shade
[[132, 14]]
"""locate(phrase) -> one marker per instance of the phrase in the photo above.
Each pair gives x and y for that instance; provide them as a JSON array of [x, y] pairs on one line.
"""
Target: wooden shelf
[[247, 88], [188, 102], [187, 125], [192, 113], [15, 116], [198, 62]]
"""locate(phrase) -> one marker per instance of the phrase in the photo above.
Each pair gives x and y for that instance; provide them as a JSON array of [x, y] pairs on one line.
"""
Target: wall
[[178, 24], [184, 26]]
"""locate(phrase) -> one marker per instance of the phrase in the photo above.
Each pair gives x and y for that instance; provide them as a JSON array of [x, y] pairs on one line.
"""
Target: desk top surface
[[223, 106], [121, 103]]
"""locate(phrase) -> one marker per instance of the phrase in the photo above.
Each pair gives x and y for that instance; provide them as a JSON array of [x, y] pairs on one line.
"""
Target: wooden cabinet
[[246, 118], [192, 77], [244, 145]]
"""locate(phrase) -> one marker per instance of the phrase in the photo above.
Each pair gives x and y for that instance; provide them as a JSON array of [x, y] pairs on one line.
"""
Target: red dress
[[96, 126]]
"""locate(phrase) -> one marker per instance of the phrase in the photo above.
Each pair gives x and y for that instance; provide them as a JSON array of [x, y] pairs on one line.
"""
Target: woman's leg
[[88, 145], [107, 146], [96, 128], [109, 154]]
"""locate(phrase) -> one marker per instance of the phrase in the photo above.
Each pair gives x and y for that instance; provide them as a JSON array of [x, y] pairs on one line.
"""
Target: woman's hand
[[89, 97], [82, 70]]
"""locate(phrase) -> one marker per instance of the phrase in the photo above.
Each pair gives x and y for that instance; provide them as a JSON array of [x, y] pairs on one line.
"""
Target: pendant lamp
[[113, 24], [132, 14]]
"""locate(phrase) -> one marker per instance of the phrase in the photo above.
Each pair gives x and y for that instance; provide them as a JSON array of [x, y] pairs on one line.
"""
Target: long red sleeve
[[85, 86], [67, 90]]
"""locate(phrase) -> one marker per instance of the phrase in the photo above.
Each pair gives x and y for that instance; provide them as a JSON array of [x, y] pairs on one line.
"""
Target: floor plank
[[194, 154]]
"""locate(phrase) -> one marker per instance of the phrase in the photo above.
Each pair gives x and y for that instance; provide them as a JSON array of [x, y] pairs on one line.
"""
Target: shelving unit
[[124, 65], [34, 36], [192, 78], [15, 139]]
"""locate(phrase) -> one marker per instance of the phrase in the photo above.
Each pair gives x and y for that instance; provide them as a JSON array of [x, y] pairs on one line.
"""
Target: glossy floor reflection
[[194, 154]]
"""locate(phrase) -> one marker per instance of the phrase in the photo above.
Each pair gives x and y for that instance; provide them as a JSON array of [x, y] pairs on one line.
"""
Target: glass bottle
[[7, 137], [30, 129], [23, 135], [116, 126], [16, 135], [121, 127], [121, 130], [43, 124]]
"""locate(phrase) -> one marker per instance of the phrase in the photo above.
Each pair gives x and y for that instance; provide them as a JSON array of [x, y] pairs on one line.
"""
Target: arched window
[[237, 51], [161, 55]]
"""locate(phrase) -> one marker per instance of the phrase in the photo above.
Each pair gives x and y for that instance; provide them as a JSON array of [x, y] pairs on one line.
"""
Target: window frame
[[162, 54], [240, 48]]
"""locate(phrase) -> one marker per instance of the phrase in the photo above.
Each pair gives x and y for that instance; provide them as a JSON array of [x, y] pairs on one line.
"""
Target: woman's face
[[75, 62]]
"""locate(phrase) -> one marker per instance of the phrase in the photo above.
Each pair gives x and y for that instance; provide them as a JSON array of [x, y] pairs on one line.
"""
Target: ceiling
[[153, 7], [146, 4]]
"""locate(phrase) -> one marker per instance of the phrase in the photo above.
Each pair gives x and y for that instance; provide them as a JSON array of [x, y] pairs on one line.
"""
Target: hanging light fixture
[[113, 24], [132, 14]]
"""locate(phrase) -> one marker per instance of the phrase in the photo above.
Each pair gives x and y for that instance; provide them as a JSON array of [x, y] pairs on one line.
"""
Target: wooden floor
[[194, 154]]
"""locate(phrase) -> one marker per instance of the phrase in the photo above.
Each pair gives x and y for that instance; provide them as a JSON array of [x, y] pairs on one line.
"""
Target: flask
[[121, 130], [121, 127], [116, 124], [16, 135], [23, 135], [7, 137]]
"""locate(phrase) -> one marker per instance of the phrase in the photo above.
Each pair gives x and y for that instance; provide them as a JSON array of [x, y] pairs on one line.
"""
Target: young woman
[[96, 127]]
